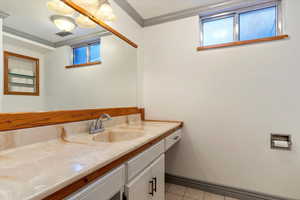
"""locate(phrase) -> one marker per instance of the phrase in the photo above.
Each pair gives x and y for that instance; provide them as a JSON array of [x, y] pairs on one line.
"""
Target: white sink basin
[[118, 135]]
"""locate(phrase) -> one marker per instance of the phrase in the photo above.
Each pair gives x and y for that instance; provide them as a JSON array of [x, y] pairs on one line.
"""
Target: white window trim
[[235, 13]]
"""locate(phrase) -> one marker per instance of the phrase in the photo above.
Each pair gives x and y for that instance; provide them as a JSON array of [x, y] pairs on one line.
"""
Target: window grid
[[219, 18], [236, 14], [87, 51]]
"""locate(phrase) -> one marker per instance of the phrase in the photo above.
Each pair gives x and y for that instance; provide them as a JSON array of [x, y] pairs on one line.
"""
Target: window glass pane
[[258, 24], [95, 52], [218, 31], [80, 55]]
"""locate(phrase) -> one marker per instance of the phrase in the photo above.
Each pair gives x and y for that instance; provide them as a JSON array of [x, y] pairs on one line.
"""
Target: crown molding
[[82, 39], [201, 10], [3, 14], [20, 40], [130, 11], [69, 42], [27, 36]]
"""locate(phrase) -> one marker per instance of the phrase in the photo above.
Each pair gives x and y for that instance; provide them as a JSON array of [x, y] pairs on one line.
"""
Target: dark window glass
[[258, 24], [218, 31]]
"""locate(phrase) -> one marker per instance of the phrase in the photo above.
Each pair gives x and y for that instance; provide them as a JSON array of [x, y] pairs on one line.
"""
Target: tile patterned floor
[[177, 192]]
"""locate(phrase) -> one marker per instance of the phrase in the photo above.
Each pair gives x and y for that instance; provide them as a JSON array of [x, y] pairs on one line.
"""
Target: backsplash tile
[[22, 137], [39, 134], [8, 140]]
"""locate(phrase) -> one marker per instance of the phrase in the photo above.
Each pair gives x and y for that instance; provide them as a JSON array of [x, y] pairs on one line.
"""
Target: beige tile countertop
[[35, 171]]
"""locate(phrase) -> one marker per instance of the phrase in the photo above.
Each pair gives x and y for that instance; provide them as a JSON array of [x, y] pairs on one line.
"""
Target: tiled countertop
[[35, 171]]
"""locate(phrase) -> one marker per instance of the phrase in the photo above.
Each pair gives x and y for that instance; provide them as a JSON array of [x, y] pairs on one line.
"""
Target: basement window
[[242, 26], [86, 54]]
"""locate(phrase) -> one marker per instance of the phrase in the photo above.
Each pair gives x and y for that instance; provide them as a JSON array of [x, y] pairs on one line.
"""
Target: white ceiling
[[153, 8], [32, 17]]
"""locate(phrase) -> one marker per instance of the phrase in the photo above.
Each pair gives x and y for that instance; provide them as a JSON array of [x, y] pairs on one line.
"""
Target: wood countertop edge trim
[[15, 121], [68, 190], [169, 121]]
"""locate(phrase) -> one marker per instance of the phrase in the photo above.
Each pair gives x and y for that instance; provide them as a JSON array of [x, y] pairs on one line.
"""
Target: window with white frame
[[86, 53], [256, 22]]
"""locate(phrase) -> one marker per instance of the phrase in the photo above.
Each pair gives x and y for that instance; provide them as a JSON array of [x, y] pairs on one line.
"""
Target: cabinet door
[[140, 187], [158, 176]]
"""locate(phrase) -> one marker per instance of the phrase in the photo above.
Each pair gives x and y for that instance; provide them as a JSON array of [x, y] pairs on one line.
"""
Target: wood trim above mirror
[[14, 121], [99, 22]]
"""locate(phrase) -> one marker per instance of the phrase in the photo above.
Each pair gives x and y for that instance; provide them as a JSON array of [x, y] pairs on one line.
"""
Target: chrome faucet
[[97, 125]]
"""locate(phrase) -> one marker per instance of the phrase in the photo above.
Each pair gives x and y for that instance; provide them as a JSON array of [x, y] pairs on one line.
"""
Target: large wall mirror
[[56, 58]]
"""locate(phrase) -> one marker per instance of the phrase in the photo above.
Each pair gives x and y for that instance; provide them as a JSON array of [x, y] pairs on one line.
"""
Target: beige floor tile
[[194, 194], [176, 189], [187, 198], [170, 196], [210, 196], [229, 198], [167, 185]]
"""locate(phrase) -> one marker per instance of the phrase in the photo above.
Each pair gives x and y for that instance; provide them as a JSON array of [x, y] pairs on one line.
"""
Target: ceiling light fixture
[[105, 12], [59, 7], [87, 3], [99, 8], [85, 22], [63, 23]]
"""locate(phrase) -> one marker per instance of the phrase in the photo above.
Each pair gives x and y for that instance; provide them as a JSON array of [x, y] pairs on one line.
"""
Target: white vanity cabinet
[[143, 176], [149, 184], [144, 159], [173, 139], [146, 172], [158, 174], [105, 188]]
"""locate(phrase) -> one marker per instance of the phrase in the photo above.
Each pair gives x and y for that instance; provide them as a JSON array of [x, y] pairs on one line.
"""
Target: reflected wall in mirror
[[79, 68]]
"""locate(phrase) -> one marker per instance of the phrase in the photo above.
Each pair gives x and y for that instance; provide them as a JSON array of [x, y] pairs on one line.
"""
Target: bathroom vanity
[[140, 178], [46, 151], [126, 160]]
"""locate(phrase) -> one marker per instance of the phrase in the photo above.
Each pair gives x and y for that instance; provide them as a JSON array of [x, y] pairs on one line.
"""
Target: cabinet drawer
[[140, 162], [172, 139], [104, 188]]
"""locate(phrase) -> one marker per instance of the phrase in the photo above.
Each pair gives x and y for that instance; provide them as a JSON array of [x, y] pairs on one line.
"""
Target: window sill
[[22, 93], [239, 43], [83, 65]]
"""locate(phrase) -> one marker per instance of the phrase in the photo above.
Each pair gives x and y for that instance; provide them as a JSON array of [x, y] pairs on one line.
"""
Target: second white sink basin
[[118, 135]]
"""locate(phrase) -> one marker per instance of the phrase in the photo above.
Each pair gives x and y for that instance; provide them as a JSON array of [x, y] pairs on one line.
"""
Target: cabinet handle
[[155, 183], [151, 184], [175, 138]]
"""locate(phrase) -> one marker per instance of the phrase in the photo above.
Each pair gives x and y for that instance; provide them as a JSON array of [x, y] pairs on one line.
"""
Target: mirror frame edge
[[99, 22]]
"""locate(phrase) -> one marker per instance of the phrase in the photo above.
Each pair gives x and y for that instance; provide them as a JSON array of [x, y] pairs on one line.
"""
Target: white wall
[[21, 103], [110, 84], [133, 31], [1, 63], [230, 99]]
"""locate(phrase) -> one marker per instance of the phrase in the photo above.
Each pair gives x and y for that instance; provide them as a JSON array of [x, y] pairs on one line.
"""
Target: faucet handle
[[93, 125], [105, 116]]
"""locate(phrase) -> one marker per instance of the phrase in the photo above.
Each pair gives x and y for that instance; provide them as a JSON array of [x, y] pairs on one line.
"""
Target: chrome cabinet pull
[[155, 184], [151, 185]]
